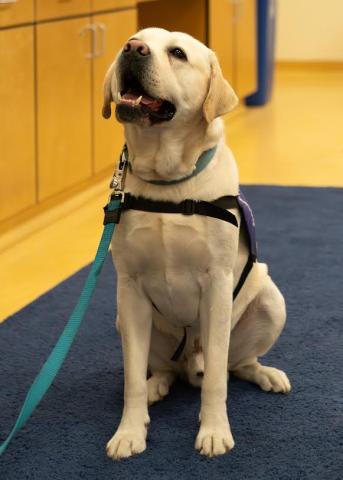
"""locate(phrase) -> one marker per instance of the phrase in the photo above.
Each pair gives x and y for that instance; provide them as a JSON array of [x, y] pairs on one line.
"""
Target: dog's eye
[[178, 53]]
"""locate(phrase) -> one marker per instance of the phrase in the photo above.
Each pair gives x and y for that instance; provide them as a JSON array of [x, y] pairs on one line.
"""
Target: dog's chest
[[169, 254]]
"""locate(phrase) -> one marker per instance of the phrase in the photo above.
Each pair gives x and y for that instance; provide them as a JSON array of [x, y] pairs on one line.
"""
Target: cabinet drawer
[[111, 4], [61, 8], [64, 105], [20, 11], [17, 151], [108, 134]]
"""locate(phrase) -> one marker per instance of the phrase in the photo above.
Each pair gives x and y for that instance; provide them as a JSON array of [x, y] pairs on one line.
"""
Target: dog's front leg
[[214, 437], [135, 320]]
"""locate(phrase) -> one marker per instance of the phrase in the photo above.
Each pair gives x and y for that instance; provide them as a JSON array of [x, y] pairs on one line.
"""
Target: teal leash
[[56, 358]]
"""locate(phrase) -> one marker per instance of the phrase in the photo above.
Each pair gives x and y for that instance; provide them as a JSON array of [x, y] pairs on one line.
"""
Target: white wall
[[309, 30]]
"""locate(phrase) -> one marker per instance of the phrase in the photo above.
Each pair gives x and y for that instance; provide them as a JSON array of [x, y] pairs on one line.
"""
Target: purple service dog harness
[[249, 223]]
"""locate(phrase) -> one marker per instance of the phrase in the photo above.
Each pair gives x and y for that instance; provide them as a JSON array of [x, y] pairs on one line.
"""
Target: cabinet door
[[246, 47], [17, 151], [111, 4], [112, 32], [14, 13], [221, 35], [64, 105], [61, 8]]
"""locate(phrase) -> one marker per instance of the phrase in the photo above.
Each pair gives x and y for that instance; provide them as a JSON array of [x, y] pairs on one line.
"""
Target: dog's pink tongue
[[151, 103]]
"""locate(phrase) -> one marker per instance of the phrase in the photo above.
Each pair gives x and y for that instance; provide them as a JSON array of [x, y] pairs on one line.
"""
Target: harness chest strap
[[213, 209]]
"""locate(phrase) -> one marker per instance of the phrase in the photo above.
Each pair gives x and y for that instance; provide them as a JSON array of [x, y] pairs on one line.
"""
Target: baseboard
[[30, 213], [308, 65], [28, 222]]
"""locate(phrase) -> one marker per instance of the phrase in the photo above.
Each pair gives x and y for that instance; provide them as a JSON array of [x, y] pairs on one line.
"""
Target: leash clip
[[118, 180], [117, 185]]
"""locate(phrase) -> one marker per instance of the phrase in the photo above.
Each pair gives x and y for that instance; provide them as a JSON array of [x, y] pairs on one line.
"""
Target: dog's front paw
[[125, 443], [214, 437], [214, 442], [158, 388]]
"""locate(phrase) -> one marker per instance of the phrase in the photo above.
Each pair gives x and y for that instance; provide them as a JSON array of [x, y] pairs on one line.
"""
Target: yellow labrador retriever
[[177, 271]]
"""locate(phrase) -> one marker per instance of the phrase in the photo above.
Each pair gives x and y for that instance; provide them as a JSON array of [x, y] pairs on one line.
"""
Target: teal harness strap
[[56, 358]]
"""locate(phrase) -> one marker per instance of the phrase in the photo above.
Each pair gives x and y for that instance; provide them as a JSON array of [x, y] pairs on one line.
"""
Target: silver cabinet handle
[[102, 28], [90, 27], [3, 2]]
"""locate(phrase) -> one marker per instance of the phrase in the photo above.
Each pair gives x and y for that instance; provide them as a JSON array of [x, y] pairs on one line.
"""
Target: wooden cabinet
[[15, 13], [64, 105], [221, 35], [246, 47], [184, 16], [17, 150], [61, 8], [113, 30], [227, 26], [111, 4], [232, 34], [53, 58]]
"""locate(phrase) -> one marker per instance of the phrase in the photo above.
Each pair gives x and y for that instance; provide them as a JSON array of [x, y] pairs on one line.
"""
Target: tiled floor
[[297, 139]]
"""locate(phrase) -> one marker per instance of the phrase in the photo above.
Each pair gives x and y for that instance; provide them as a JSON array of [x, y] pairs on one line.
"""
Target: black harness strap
[[178, 352], [246, 270], [186, 207]]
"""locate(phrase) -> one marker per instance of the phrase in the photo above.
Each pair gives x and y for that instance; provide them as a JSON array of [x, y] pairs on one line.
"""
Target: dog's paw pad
[[158, 388], [125, 444], [273, 380]]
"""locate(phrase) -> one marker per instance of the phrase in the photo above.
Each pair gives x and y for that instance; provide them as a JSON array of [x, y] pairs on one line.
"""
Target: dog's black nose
[[136, 46], [200, 374]]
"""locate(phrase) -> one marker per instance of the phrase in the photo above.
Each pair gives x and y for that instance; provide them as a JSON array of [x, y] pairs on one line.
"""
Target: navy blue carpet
[[298, 436]]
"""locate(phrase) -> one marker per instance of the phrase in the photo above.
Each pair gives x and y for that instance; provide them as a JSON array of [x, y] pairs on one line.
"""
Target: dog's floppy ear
[[220, 98], [109, 84]]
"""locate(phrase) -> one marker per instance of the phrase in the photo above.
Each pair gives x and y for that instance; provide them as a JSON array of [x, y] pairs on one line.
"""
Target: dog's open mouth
[[134, 103]]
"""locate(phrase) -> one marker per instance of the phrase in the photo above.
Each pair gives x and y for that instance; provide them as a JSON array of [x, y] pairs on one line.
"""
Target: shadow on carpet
[[298, 436]]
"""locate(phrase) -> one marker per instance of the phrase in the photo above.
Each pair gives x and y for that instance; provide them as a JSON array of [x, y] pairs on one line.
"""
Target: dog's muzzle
[[135, 102]]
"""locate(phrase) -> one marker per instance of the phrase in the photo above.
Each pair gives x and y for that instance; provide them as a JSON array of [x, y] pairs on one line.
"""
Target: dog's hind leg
[[255, 333], [158, 385], [162, 368]]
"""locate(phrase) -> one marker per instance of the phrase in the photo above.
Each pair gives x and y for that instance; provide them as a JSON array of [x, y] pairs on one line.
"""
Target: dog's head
[[161, 76]]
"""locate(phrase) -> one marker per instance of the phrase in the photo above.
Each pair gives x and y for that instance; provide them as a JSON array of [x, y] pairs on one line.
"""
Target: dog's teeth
[[138, 101], [119, 97]]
